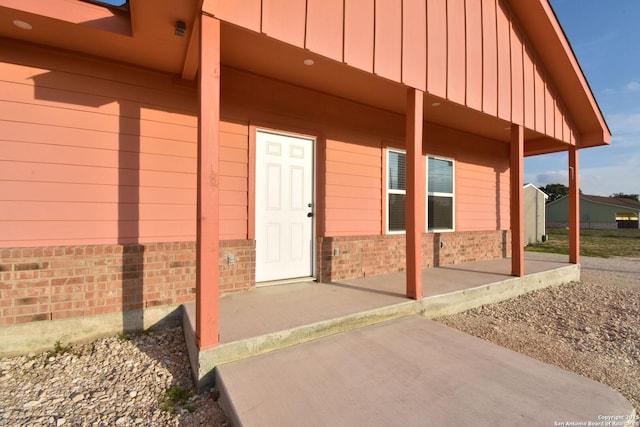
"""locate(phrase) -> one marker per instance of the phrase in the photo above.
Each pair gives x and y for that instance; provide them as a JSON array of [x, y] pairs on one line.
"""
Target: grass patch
[[594, 243], [59, 349], [176, 397], [122, 337]]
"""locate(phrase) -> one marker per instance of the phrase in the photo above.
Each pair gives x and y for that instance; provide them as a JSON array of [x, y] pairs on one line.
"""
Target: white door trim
[[277, 259]]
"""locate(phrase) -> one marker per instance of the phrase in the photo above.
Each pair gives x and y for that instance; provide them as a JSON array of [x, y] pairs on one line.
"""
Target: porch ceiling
[[145, 37], [262, 55]]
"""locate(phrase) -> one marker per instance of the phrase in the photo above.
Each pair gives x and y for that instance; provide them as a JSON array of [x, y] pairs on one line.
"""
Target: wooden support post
[[415, 200], [517, 200], [208, 221], [574, 206]]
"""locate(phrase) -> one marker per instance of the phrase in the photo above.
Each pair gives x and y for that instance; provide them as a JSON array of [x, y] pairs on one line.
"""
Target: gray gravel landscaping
[[591, 328], [143, 380]]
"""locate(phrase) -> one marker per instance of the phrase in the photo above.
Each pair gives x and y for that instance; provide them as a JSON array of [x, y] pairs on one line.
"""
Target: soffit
[[145, 37], [259, 54]]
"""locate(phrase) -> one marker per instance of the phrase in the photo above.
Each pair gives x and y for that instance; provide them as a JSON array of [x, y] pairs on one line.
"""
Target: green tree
[[555, 191], [626, 196]]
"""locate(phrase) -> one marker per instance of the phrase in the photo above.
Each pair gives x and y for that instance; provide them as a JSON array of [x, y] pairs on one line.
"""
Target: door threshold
[[286, 281]]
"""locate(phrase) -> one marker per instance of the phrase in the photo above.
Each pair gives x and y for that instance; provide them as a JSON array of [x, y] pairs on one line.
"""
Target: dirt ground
[[591, 327]]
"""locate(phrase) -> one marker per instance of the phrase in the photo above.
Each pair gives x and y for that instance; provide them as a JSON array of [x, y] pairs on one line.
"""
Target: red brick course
[[359, 256], [241, 274], [467, 246], [49, 283], [362, 256]]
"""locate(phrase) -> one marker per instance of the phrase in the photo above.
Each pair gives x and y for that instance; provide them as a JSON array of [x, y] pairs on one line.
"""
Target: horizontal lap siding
[[482, 188], [92, 152], [349, 152], [353, 202], [482, 197], [348, 149], [234, 171]]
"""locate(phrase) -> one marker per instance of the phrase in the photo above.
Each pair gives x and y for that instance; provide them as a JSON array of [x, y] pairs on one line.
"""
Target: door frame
[[251, 230]]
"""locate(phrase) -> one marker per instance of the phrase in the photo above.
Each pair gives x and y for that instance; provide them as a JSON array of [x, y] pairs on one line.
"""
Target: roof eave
[[551, 44]]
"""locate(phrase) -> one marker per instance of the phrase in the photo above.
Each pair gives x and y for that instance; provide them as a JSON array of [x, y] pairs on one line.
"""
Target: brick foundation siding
[[49, 283], [58, 282], [464, 246], [241, 274], [362, 256], [359, 256]]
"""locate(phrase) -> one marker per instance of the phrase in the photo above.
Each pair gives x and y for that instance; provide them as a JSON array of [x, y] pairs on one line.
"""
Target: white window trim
[[452, 195], [437, 194], [390, 191]]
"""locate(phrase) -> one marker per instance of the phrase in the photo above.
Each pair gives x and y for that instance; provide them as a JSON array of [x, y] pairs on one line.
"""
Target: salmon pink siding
[[353, 201], [234, 181], [350, 157], [470, 52], [482, 188], [70, 173], [98, 184], [93, 153], [348, 144], [359, 33]]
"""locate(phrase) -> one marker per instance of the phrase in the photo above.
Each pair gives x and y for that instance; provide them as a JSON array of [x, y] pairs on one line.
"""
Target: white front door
[[284, 207]]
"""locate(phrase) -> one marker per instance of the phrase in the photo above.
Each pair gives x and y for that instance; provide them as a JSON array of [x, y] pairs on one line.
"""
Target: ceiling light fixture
[[22, 24], [435, 104], [309, 61]]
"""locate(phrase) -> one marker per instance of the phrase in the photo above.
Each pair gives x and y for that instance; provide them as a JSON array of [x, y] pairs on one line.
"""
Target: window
[[440, 193], [440, 200], [396, 191]]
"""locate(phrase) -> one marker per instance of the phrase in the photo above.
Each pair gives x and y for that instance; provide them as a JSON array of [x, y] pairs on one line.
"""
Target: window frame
[[388, 190], [451, 195]]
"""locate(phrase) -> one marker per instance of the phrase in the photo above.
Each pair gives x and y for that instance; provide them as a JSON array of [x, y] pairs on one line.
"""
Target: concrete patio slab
[[409, 372], [274, 308], [275, 317]]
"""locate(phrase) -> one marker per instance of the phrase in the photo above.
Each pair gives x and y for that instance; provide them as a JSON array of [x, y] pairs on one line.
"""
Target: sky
[[605, 36]]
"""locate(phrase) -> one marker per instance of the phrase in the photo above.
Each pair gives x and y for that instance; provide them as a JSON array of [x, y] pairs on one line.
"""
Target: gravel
[[591, 328], [122, 381]]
